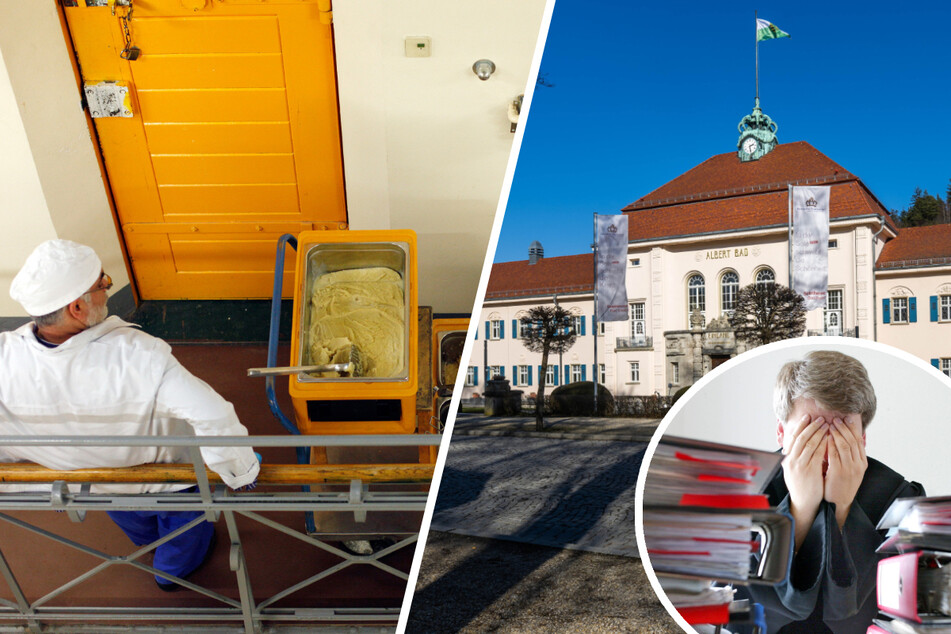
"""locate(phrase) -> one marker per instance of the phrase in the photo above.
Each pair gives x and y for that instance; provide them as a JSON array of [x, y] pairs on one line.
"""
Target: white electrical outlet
[[419, 46]]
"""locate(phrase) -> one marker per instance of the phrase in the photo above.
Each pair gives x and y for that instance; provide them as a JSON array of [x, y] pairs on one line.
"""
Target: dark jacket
[[831, 581]]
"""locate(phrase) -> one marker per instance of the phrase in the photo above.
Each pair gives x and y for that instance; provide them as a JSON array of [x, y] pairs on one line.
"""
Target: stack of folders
[[708, 526], [914, 586]]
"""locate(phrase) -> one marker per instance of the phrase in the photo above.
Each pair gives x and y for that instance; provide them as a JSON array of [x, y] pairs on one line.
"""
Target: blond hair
[[834, 380]]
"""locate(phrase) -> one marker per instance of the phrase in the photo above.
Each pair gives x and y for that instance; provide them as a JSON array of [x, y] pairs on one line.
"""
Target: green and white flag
[[768, 31]]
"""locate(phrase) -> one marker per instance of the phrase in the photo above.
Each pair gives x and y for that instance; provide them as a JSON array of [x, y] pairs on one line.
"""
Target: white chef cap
[[55, 274]]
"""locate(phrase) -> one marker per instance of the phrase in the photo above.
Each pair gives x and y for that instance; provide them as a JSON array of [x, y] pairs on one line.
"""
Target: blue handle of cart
[[303, 454]]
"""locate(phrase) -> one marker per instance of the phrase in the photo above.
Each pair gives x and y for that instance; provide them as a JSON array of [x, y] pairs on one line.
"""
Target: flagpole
[[756, 46], [594, 320]]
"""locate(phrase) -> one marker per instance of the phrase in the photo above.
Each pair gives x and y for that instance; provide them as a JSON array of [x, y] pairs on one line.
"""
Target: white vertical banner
[[611, 269], [810, 244]]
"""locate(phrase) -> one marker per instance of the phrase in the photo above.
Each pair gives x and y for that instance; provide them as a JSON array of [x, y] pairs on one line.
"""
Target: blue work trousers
[[179, 556]]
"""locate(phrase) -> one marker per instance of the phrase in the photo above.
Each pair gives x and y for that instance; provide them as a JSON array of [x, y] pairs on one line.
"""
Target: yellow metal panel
[[218, 138], [209, 71], [218, 169], [224, 252], [260, 200], [133, 182], [178, 36], [312, 85], [235, 116], [207, 265], [221, 105]]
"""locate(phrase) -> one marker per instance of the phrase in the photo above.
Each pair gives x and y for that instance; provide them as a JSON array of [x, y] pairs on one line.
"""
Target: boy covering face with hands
[[835, 494]]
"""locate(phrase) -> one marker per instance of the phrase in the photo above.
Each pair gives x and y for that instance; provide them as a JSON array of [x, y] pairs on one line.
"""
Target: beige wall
[[23, 211], [54, 187], [509, 350], [426, 143], [659, 279], [925, 339]]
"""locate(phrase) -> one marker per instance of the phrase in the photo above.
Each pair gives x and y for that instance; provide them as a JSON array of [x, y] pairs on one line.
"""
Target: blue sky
[[643, 92]]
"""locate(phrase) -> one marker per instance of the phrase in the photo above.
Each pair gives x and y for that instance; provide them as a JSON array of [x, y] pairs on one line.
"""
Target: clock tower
[[757, 135]]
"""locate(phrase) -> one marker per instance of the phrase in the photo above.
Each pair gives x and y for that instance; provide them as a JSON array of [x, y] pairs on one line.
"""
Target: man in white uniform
[[73, 371]]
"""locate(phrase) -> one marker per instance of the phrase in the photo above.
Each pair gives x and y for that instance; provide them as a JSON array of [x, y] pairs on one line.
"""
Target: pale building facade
[[498, 340], [913, 284], [693, 243]]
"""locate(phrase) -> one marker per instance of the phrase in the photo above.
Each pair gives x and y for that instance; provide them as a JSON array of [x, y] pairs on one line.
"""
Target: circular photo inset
[[797, 487]]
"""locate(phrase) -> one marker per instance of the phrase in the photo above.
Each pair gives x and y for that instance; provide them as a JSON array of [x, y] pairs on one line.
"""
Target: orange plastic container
[[449, 338], [355, 405]]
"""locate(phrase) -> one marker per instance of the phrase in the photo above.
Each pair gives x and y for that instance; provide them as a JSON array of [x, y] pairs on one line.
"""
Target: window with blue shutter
[[886, 311], [582, 325], [555, 373], [567, 374], [583, 368], [912, 310], [933, 303], [936, 363], [514, 329], [475, 377], [514, 375], [530, 375], [488, 331], [501, 329]]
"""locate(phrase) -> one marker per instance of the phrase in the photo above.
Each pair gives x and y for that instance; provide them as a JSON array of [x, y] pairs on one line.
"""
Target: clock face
[[750, 145]]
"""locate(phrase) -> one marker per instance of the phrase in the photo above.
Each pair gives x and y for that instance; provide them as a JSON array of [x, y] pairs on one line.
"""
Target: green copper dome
[[757, 135]]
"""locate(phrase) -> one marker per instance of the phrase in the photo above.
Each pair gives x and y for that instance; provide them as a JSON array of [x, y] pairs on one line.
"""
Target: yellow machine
[[449, 339], [354, 404]]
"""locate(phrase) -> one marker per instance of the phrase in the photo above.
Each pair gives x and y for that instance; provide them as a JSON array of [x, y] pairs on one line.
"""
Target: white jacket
[[112, 379]]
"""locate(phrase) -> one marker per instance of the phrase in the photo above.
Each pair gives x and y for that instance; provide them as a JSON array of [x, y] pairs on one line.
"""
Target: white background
[[911, 431]]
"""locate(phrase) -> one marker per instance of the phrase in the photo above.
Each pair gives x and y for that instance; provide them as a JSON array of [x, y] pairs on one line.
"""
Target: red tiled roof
[[742, 212], [564, 274], [918, 246], [726, 175], [726, 194]]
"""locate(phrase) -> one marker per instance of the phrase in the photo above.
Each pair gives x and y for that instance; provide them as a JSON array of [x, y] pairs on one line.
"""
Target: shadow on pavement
[[459, 487], [469, 573]]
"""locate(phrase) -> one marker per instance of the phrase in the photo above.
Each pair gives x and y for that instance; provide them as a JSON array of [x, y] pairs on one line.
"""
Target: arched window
[[765, 276], [729, 287], [696, 295]]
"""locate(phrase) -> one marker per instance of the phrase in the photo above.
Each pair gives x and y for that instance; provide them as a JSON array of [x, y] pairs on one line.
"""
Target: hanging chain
[[129, 52]]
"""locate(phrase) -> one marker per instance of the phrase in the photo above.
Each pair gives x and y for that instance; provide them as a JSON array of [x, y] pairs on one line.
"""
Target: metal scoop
[[353, 367]]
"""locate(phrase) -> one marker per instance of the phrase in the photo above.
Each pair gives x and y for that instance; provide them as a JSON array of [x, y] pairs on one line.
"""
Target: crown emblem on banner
[[612, 229], [811, 202]]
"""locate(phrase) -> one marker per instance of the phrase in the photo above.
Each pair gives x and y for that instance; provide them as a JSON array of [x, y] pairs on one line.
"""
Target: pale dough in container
[[364, 308]]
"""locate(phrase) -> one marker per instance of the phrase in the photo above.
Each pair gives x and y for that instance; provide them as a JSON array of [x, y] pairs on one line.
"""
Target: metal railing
[[633, 343], [246, 613], [902, 264], [834, 332]]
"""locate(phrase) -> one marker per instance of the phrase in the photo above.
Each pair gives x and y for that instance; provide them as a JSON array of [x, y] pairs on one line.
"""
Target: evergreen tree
[[947, 203], [923, 210]]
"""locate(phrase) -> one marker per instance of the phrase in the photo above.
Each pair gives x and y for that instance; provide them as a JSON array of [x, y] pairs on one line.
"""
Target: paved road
[[472, 585], [576, 494]]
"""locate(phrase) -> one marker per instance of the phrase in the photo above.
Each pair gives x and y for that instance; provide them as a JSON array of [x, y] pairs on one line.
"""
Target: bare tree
[[768, 312], [546, 329]]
